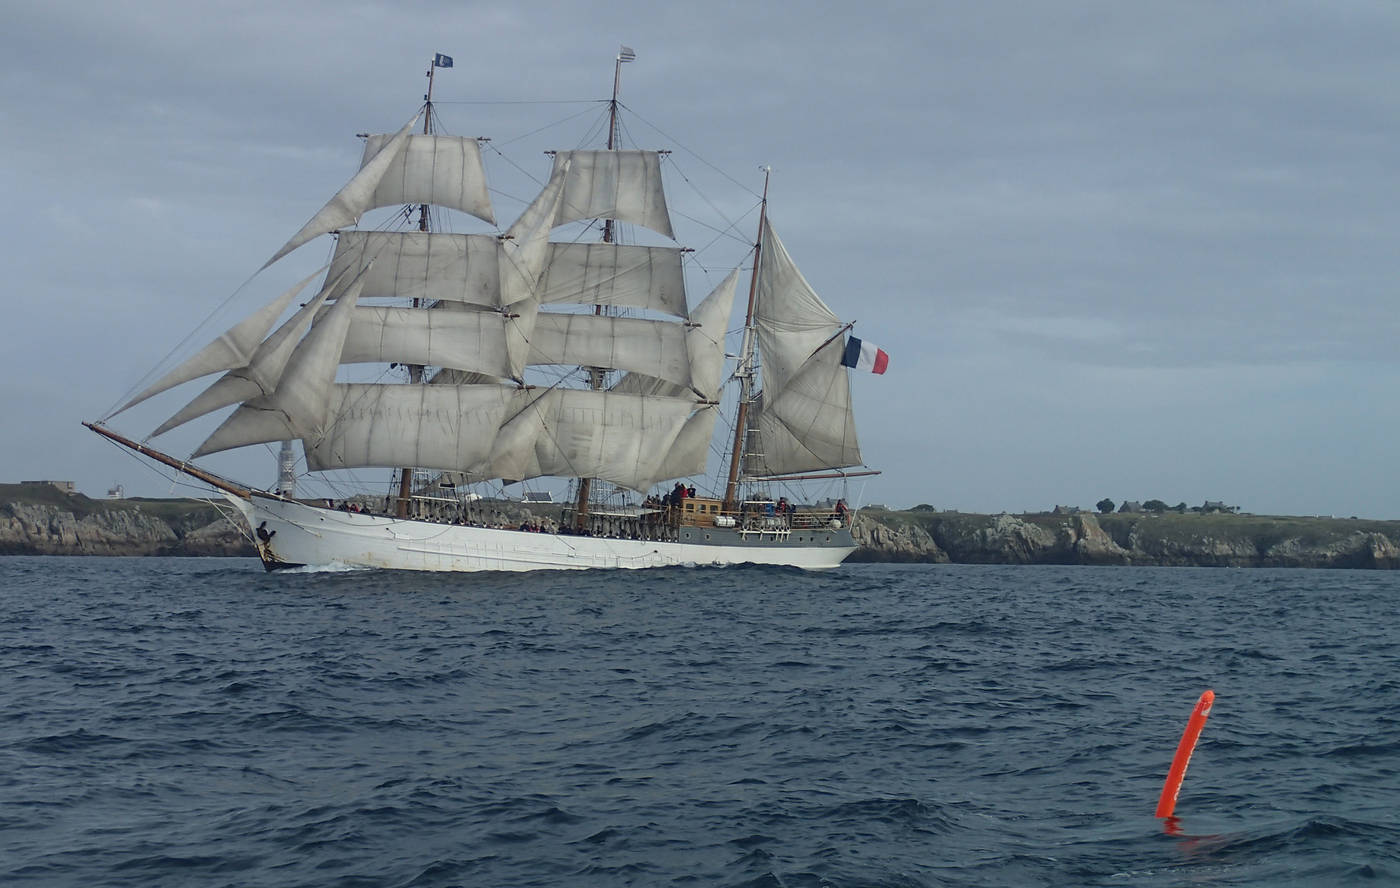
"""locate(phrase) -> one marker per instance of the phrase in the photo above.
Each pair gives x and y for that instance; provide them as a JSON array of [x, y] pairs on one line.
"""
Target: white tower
[[287, 470]]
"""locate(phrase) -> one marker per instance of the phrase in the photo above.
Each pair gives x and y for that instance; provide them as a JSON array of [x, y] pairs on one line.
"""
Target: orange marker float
[[1167, 803]]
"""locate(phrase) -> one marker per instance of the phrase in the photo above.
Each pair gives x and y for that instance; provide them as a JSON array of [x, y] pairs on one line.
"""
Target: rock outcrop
[[1171, 540], [43, 529], [880, 542]]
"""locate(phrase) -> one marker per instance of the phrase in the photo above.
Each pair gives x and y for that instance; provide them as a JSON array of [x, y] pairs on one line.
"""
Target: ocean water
[[168, 722]]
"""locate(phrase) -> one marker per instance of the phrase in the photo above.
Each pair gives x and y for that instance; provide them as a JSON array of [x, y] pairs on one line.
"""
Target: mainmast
[[415, 371], [745, 369], [595, 374]]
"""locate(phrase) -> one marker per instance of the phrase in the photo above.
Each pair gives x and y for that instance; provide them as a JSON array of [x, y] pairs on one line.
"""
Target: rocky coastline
[[1164, 540], [49, 522]]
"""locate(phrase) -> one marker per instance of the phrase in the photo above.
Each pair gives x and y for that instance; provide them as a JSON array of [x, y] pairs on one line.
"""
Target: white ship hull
[[292, 534]]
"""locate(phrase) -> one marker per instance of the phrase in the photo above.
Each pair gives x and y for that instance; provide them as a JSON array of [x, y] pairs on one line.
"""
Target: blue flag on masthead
[[442, 61]]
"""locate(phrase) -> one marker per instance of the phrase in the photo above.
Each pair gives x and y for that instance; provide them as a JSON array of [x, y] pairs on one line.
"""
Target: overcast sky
[[1135, 250]]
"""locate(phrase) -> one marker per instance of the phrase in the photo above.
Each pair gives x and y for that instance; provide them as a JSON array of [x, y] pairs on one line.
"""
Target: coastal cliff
[[1170, 539], [42, 520]]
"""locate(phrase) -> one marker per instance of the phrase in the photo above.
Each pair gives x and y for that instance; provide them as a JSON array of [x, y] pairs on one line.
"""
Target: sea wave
[[191, 722]]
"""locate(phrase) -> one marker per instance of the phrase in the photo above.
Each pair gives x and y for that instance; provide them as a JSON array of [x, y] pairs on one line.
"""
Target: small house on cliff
[[1212, 506]]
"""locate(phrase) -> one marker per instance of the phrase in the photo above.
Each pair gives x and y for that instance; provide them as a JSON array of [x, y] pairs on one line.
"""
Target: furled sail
[[260, 374], [791, 319], [444, 171], [299, 406], [427, 266], [621, 185], [233, 349], [351, 201], [808, 424], [615, 274]]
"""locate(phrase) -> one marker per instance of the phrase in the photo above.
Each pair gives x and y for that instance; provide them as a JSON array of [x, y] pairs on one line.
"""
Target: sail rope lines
[[494, 146], [689, 151], [180, 346], [231, 516]]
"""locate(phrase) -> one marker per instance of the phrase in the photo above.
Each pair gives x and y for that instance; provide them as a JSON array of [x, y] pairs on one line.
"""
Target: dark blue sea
[[170, 722]]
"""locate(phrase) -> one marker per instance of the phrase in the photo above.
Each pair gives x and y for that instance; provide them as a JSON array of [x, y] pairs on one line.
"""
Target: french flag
[[865, 356]]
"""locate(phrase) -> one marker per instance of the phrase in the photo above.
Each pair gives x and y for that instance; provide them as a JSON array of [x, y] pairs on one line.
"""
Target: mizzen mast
[[745, 369]]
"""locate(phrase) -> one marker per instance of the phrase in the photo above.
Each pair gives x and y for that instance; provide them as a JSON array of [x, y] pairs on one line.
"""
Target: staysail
[[299, 406], [352, 200], [234, 348], [260, 375]]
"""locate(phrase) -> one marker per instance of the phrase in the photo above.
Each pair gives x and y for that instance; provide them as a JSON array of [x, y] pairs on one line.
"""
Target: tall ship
[[562, 347]]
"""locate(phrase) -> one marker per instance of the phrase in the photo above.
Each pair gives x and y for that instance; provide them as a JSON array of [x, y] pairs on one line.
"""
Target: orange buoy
[[1167, 803]]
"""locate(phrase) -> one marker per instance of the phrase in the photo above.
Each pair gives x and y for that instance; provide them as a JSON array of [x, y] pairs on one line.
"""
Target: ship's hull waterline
[[292, 534]]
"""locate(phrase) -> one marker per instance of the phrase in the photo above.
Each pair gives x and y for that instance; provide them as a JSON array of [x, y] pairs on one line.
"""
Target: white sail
[[641, 384], [808, 424], [575, 433], [656, 348], [621, 185], [300, 405], [444, 171], [463, 377], [461, 340], [263, 370], [234, 348], [689, 451], [351, 201], [616, 437], [704, 344], [430, 426], [792, 321], [704, 340], [615, 274], [427, 266], [524, 250], [512, 454], [484, 326]]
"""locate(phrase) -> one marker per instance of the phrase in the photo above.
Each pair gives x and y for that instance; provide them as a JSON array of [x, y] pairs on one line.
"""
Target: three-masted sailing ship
[[471, 318]]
